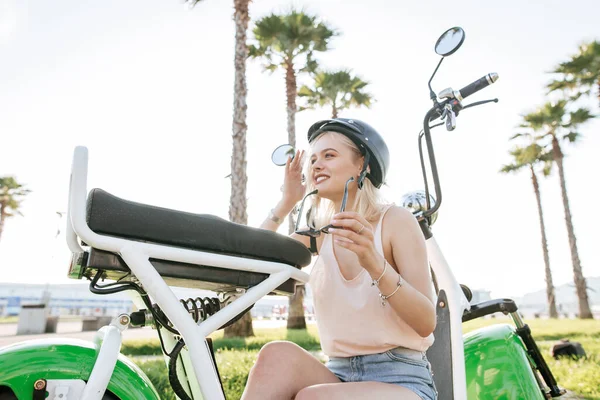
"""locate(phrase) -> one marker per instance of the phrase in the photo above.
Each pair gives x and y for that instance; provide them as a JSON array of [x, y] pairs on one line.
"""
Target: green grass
[[308, 340], [235, 357], [9, 320], [156, 370], [233, 367]]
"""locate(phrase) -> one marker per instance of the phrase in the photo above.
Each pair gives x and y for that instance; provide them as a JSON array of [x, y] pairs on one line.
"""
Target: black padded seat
[[110, 215]]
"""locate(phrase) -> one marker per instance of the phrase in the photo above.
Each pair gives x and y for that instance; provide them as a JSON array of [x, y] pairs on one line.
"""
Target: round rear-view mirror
[[450, 41], [282, 153]]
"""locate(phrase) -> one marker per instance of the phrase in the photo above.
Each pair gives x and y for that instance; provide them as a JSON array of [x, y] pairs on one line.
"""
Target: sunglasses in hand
[[311, 230]]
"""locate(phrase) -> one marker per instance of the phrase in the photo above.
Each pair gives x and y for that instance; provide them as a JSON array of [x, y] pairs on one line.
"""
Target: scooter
[[497, 362], [500, 361], [145, 249]]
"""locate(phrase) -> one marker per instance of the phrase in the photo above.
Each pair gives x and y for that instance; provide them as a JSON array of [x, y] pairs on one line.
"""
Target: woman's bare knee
[[274, 355], [273, 363], [272, 375], [284, 368]]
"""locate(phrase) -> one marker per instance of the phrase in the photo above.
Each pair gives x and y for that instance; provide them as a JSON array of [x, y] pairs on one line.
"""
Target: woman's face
[[332, 163]]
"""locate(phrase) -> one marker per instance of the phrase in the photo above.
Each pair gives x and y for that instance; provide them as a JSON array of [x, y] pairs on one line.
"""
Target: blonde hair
[[367, 202]]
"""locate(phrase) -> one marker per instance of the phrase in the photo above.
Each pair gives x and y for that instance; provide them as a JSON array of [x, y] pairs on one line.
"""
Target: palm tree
[[336, 88], [12, 193], [528, 157], [580, 74], [239, 179], [555, 123], [289, 42]]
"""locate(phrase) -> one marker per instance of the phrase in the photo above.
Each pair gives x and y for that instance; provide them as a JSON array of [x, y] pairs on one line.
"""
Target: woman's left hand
[[357, 236]]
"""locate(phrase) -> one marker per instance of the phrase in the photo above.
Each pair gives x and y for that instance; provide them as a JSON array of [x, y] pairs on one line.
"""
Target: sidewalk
[[72, 330]]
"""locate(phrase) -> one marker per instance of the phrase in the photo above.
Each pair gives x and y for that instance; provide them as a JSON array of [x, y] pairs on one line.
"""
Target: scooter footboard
[[24, 363], [497, 365]]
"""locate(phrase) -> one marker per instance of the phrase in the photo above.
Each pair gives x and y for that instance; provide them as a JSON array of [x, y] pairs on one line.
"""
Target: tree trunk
[[296, 318], [291, 92], [334, 111], [580, 284], [549, 285], [239, 179]]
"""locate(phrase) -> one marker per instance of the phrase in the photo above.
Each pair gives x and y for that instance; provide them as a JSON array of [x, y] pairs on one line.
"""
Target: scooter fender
[[21, 364], [497, 365]]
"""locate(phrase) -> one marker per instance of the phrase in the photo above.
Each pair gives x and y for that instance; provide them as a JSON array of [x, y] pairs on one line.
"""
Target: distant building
[[3, 308], [76, 299], [480, 295], [65, 299]]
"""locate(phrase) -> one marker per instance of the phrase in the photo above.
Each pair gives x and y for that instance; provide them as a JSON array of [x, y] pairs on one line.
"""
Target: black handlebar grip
[[479, 84]]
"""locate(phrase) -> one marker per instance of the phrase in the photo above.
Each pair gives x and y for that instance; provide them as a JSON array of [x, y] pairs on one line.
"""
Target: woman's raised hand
[[293, 187], [355, 233]]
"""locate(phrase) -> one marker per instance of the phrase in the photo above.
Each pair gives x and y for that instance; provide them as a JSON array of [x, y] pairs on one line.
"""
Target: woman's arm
[[280, 212], [293, 191], [410, 258], [413, 301]]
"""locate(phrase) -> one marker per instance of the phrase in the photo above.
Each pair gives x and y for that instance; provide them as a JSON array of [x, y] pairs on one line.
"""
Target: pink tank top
[[350, 318]]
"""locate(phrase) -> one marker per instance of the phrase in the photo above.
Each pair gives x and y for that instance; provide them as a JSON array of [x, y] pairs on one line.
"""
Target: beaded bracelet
[[274, 217], [375, 282], [398, 286]]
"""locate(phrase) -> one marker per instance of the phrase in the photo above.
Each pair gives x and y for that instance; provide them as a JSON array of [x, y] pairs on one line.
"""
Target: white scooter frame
[[137, 254], [200, 372]]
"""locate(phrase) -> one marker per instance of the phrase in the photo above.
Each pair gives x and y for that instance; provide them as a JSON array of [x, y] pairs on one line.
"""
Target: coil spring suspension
[[201, 307]]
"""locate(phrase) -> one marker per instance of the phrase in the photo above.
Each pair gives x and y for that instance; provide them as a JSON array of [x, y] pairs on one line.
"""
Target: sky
[[147, 86]]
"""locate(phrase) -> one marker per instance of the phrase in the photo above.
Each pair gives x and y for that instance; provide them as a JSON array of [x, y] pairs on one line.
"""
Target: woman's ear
[[361, 162]]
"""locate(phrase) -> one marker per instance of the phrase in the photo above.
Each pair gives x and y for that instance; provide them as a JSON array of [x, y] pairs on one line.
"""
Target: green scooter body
[[497, 365], [496, 362], [23, 363]]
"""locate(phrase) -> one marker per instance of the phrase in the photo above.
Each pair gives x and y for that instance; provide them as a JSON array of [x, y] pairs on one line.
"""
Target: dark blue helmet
[[365, 137]]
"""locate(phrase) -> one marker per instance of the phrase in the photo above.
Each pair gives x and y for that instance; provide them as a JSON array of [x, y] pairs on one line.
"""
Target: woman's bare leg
[[282, 370], [356, 391]]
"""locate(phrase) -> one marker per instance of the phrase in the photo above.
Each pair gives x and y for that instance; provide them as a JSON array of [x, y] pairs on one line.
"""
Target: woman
[[371, 286]]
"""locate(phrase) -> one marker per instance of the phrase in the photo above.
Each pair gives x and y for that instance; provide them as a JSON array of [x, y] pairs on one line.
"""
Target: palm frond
[[509, 168], [520, 135], [339, 88], [580, 73], [547, 169], [290, 35], [580, 116], [12, 194], [571, 137], [192, 2]]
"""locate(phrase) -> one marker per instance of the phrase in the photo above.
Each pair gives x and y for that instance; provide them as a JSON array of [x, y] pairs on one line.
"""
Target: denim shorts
[[400, 366]]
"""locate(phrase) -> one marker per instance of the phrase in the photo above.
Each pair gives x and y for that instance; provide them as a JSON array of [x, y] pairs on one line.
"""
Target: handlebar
[[438, 111], [479, 84], [431, 114]]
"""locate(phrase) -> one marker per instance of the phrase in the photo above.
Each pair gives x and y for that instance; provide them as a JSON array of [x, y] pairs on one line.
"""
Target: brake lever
[[478, 103], [451, 121], [450, 117]]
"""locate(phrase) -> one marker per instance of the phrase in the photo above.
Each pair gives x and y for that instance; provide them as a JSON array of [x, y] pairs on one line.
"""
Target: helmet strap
[[363, 173]]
